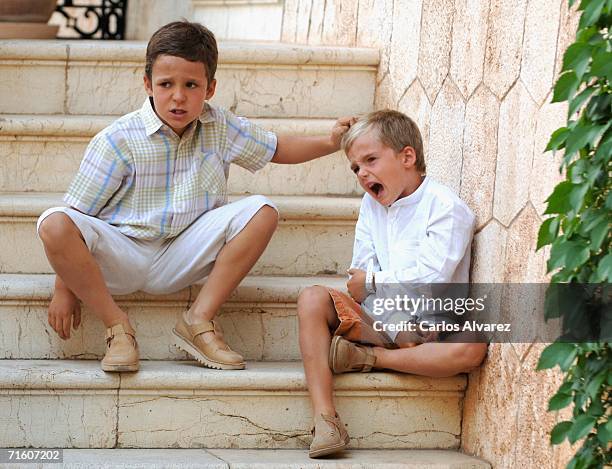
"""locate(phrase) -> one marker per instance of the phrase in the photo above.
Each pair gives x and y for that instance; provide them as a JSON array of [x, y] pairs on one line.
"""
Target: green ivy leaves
[[579, 236]]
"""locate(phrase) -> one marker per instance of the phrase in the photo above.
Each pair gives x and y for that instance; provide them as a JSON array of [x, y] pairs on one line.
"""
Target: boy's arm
[[294, 149]]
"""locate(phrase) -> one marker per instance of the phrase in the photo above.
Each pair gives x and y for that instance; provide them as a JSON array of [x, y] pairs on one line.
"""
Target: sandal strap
[[201, 328], [117, 329]]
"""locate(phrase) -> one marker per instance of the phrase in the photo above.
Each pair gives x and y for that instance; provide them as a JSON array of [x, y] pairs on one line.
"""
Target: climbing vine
[[578, 232]]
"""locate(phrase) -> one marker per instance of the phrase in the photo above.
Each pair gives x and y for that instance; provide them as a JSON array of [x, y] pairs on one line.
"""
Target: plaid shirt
[[138, 175]]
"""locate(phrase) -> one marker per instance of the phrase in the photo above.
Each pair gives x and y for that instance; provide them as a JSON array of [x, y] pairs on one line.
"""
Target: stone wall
[[477, 76]]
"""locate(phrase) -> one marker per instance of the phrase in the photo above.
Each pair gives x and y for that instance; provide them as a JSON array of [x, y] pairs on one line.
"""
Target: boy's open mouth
[[375, 187], [178, 112]]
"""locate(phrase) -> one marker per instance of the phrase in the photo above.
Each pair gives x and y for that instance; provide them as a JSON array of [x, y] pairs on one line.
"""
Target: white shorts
[[165, 265]]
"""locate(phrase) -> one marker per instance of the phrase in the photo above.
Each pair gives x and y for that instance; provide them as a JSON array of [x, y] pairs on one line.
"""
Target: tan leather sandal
[[329, 436], [214, 354], [346, 356], [121, 350]]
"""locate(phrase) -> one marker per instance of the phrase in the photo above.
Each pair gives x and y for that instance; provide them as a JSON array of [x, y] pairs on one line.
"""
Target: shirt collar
[[153, 123], [413, 198]]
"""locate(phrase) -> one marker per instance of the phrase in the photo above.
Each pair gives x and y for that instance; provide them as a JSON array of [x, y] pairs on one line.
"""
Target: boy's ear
[[408, 157], [148, 85], [210, 91]]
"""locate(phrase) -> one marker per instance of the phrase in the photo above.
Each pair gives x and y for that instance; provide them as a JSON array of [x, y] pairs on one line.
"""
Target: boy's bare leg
[[78, 272], [317, 316], [234, 261], [434, 359]]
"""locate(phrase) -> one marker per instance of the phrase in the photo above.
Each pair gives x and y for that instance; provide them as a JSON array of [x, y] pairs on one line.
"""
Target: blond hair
[[393, 128]]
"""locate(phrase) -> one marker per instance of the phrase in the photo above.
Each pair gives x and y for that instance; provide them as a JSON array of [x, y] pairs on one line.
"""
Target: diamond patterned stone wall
[[477, 77]]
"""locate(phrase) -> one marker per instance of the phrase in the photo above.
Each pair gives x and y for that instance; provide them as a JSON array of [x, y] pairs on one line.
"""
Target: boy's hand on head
[[340, 128], [64, 312], [356, 285]]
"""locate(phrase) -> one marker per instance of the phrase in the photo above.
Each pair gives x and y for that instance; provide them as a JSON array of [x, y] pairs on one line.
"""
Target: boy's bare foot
[[64, 312]]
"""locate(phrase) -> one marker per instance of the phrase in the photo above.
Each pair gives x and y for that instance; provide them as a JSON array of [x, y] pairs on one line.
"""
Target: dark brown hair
[[187, 40], [393, 128]]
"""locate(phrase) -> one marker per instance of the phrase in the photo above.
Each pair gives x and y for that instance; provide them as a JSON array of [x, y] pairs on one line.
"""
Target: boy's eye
[[355, 169], [192, 85], [164, 84]]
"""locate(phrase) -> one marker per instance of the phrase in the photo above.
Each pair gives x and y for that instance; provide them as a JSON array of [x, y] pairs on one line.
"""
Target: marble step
[[314, 237], [41, 153], [259, 459], [259, 320], [181, 405], [254, 79]]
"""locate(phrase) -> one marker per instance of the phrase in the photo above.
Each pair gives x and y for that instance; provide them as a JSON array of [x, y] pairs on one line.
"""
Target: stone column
[[144, 17]]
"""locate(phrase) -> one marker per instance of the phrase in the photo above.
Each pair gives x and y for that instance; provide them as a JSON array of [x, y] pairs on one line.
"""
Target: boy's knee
[[470, 355], [55, 229], [311, 299], [269, 215]]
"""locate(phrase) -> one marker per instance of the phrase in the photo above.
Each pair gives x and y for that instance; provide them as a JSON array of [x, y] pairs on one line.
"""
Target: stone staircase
[[55, 96]]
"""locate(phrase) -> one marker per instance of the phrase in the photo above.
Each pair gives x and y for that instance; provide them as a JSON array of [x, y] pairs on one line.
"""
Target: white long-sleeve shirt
[[422, 238]]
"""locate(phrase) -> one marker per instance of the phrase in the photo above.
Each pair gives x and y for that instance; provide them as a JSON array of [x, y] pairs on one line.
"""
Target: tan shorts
[[165, 265]]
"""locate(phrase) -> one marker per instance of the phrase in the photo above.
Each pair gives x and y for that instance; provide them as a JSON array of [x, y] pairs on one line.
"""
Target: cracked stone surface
[[492, 402], [469, 40], [568, 25], [435, 44], [503, 47], [37, 79], [539, 47], [480, 153], [514, 153], [523, 265], [416, 105], [489, 251], [444, 157], [404, 52]]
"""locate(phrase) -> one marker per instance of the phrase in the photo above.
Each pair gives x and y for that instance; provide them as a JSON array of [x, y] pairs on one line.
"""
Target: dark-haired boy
[[411, 231], [148, 206]]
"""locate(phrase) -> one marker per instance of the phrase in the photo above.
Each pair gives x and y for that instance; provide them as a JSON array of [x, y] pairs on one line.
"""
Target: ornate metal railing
[[100, 19]]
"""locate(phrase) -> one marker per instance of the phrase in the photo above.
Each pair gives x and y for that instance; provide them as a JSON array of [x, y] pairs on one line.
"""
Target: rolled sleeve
[[249, 146], [100, 175]]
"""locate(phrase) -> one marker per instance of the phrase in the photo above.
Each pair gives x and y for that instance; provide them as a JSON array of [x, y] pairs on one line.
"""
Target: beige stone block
[[386, 94], [30, 87], [446, 137], [491, 406], [374, 26], [415, 104], [405, 44], [355, 459], [150, 458], [37, 408], [468, 48], [545, 174], [435, 44], [523, 264], [514, 153], [489, 253], [539, 47], [313, 91], [504, 44], [192, 407], [340, 26], [480, 153], [534, 420]]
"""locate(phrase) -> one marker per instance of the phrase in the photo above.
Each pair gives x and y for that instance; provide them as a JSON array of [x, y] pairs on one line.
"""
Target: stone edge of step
[[182, 375], [86, 126], [253, 289], [279, 458], [291, 207], [248, 53]]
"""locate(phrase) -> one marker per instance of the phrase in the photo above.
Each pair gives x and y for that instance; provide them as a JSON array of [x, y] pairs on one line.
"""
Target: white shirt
[[422, 238]]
